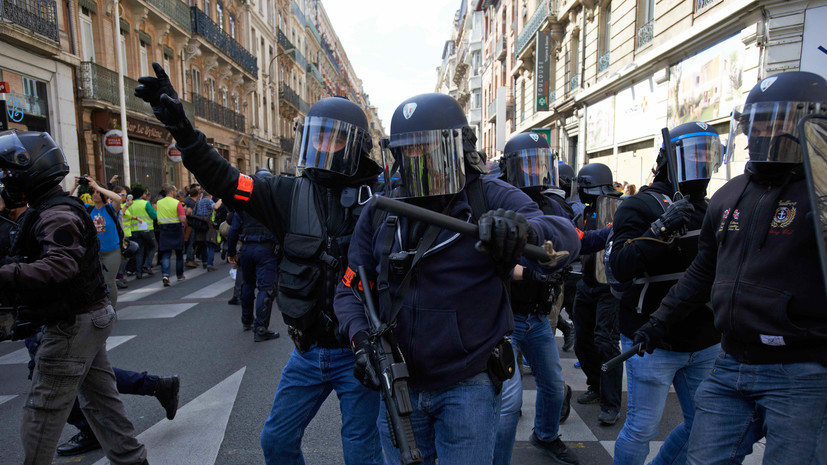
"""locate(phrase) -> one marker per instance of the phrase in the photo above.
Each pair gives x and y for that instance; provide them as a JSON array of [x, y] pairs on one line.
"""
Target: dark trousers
[[128, 382], [258, 266], [597, 339], [146, 250]]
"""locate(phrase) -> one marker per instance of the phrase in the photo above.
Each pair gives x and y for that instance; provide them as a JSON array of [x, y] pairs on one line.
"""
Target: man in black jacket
[[757, 263], [312, 216], [648, 256]]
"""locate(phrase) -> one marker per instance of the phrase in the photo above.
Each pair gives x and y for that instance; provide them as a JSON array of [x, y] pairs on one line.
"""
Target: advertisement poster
[[635, 108], [600, 125], [707, 85], [814, 42]]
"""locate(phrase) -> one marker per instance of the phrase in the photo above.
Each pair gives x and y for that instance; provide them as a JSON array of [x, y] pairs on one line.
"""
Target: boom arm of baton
[[545, 254], [388, 362], [611, 364]]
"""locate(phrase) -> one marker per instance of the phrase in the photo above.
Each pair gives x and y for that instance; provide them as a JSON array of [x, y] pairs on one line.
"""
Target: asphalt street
[[228, 383]]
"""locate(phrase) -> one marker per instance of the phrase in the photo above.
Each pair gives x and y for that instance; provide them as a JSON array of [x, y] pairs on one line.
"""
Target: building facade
[[600, 78]]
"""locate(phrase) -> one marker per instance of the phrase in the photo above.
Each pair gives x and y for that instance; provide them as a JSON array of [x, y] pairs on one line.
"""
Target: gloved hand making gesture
[[363, 368], [503, 234], [161, 96], [673, 219]]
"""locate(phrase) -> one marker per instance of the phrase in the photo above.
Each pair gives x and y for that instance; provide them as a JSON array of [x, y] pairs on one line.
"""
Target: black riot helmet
[[529, 162], [565, 176], [766, 124], [426, 142], [31, 163], [698, 151], [333, 137], [594, 180]]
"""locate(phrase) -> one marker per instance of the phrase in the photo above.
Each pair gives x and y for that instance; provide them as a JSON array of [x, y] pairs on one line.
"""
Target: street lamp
[[278, 103]]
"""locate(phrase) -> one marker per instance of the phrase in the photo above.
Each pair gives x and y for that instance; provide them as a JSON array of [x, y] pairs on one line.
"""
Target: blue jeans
[[305, 383], [179, 262], [738, 404], [535, 339], [458, 424], [208, 253], [258, 267], [648, 379]]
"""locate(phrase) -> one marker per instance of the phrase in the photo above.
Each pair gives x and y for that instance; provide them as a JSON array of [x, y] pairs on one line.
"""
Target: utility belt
[[525, 308], [500, 366], [304, 342], [257, 238]]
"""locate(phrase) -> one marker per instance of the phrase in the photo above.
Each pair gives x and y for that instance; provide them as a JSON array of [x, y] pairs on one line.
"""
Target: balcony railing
[[645, 33], [284, 42], [500, 51], [314, 70], [532, 26], [286, 144], [299, 58], [175, 9], [31, 104], [314, 31], [294, 8], [492, 110], [290, 96], [329, 52], [38, 16], [701, 4], [603, 62], [574, 83], [217, 113], [204, 26]]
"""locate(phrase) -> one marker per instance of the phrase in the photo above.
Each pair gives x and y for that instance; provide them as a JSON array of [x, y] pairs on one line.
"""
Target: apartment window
[[211, 88], [236, 103], [604, 38], [645, 22], [87, 38], [124, 55], [575, 62], [165, 64], [232, 26], [144, 59], [225, 98], [219, 15], [207, 7], [476, 59], [196, 81], [476, 98]]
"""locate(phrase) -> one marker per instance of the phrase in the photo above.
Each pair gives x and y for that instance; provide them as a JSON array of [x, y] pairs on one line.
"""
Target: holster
[[300, 340], [501, 364]]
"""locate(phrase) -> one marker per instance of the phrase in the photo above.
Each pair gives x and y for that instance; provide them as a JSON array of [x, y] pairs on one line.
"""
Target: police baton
[[611, 364], [453, 224]]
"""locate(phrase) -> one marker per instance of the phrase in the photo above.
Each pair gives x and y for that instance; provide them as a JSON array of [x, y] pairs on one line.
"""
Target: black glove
[[673, 219], [363, 368], [161, 96], [26, 323], [531, 275], [504, 234], [651, 335]]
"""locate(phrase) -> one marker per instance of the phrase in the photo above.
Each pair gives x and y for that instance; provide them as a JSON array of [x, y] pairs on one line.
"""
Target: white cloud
[[393, 46]]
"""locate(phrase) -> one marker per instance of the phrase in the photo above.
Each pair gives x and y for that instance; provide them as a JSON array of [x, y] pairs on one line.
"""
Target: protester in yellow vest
[[171, 220], [142, 214]]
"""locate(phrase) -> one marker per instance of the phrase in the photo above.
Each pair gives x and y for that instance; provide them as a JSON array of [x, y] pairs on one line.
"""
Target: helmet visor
[[430, 162], [12, 153], [530, 167], [699, 155], [328, 144], [766, 131]]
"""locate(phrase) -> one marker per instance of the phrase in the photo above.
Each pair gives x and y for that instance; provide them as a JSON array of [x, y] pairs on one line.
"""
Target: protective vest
[[126, 222], [168, 211], [138, 211], [529, 297], [253, 231], [75, 295], [315, 246]]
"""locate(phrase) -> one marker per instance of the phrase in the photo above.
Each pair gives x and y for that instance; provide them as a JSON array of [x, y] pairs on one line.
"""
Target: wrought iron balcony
[[205, 27], [314, 31], [603, 62], [284, 42], [314, 70], [299, 58], [645, 34], [532, 26], [287, 143], [38, 16], [329, 53], [217, 113], [291, 97], [175, 9], [574, 83], [294, 8], [701, 4]]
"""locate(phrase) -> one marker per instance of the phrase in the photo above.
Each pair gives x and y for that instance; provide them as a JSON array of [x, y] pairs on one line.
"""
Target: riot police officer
[[530, 165], [312, 216], [648, 255], [595, 308], [757, 265], [58, 279], [258, 265], [455, 312]]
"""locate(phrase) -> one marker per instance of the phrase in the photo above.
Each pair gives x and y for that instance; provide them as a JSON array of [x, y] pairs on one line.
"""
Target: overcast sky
[[394, 46]]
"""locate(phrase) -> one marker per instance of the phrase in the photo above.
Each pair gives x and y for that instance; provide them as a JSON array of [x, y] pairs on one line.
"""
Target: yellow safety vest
[[138, 212], [126, 221], [168, 211]]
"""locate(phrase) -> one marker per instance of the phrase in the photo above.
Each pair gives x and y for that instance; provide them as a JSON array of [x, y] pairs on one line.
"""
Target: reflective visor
[[699, 155], [530, 167], [767, 131], [12, 153], [430, 162], [328, 144]]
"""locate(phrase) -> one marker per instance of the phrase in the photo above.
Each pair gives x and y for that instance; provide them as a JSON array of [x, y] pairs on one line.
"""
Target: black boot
[[264, 334], [80, 443], [166, 391]]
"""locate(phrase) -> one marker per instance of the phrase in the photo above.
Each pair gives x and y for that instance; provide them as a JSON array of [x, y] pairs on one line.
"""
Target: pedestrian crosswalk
[[22, 355]]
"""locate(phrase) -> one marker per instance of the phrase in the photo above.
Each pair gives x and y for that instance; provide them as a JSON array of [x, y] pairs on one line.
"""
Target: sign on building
[[600, 125], [543, 70], [113, 141], [814, 43]]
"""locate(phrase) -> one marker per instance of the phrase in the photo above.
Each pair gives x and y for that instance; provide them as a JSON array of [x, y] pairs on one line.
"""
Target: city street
[[228, 383]]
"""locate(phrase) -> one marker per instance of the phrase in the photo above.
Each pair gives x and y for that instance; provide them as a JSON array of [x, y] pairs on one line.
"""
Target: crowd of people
[[721, 298]]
